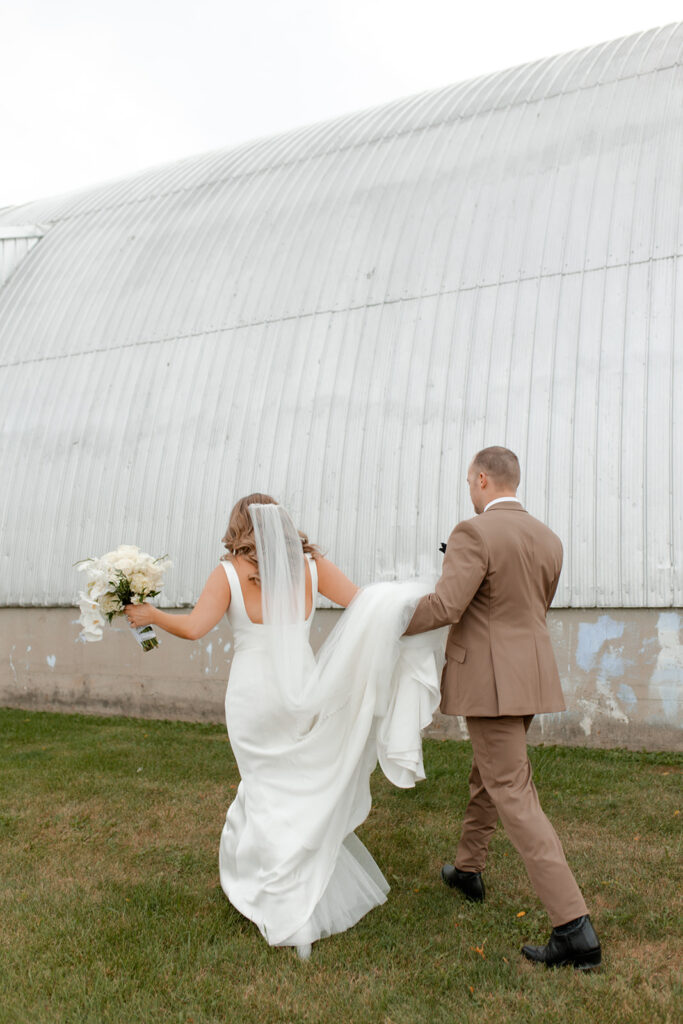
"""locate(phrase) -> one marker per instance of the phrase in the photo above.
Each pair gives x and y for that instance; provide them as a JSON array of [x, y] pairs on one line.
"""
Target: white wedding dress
[[289, 859]]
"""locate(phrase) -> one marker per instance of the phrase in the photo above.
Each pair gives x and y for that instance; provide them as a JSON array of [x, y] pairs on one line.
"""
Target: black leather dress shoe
[[574, 943], [470, 883]]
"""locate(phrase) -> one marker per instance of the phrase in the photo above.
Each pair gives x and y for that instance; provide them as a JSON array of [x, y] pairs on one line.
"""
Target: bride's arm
[[213, 603], [333, 584]]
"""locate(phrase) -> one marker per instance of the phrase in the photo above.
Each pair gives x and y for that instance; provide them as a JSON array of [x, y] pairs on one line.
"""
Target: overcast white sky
[[91, 91]]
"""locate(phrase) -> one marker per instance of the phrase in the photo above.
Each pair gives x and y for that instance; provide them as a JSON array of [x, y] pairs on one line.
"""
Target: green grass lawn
[[111, 909]]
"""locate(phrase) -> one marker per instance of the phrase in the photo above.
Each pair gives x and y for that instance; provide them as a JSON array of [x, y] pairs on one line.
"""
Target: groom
[[500, 573]]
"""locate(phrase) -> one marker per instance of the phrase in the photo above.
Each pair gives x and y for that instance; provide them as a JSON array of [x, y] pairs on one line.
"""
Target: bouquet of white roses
[[121, 577]]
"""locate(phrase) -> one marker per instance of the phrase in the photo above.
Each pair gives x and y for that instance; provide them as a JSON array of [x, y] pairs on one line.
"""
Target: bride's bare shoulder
[[241, 565]]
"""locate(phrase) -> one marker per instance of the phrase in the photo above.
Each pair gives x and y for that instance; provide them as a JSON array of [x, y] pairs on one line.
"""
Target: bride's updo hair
[[239, 536]]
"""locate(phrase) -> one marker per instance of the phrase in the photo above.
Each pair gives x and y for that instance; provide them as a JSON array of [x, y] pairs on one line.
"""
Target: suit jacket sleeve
[[465, 565], [555, 580], [551, 593]]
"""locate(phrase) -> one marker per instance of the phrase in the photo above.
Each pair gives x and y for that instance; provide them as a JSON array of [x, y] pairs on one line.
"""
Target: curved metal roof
[[342, 315]]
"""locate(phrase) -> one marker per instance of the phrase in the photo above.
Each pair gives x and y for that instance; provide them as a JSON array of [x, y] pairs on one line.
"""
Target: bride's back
[[251, 590]]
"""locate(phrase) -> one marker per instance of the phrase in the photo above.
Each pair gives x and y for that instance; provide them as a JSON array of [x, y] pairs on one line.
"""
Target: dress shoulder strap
[[236, 595], [313, 568]]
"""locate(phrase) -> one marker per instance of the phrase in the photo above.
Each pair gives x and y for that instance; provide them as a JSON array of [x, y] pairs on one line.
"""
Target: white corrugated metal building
[[342, 315]]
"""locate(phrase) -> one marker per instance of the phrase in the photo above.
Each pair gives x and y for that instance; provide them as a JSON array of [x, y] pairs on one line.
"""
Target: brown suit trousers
[[501, 786], [499, 576]]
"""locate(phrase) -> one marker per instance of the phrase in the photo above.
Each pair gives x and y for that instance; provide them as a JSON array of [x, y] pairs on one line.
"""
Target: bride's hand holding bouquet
[[140, 614]]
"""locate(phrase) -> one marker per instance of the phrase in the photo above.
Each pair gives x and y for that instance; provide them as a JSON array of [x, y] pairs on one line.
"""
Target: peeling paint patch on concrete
[[549, 720], [626, 695], [51, 660], [605, 706], [612, 664], [592, 635], [666, 683], [209, 652]]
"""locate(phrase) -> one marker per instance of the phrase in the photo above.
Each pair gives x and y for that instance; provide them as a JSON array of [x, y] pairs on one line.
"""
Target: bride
[[307, 732]]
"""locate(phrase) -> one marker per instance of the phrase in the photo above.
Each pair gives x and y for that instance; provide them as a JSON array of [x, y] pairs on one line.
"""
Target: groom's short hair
[[500, 464]]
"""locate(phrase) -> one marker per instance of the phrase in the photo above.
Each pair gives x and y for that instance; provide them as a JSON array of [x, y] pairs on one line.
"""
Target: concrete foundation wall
[[622, 674]]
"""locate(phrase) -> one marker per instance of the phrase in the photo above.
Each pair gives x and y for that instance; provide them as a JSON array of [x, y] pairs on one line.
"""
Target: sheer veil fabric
[[283, 600], [307, 734]]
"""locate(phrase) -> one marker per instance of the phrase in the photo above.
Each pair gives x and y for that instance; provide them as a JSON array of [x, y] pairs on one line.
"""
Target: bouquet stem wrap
[[146, 637]]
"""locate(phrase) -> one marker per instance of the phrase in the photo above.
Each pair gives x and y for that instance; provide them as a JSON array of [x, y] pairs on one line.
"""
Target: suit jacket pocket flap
[[455, 651]]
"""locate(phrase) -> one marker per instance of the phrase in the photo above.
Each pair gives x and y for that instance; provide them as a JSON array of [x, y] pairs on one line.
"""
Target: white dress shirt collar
[[496, 500]]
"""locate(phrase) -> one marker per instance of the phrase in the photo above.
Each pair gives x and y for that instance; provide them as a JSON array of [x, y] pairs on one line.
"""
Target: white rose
[[140, 581], [110, 604], [127, 551], [123, 551], [124, 565]]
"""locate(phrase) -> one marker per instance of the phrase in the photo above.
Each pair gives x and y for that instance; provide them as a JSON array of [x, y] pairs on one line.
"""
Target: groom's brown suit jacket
[[500, 573]]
